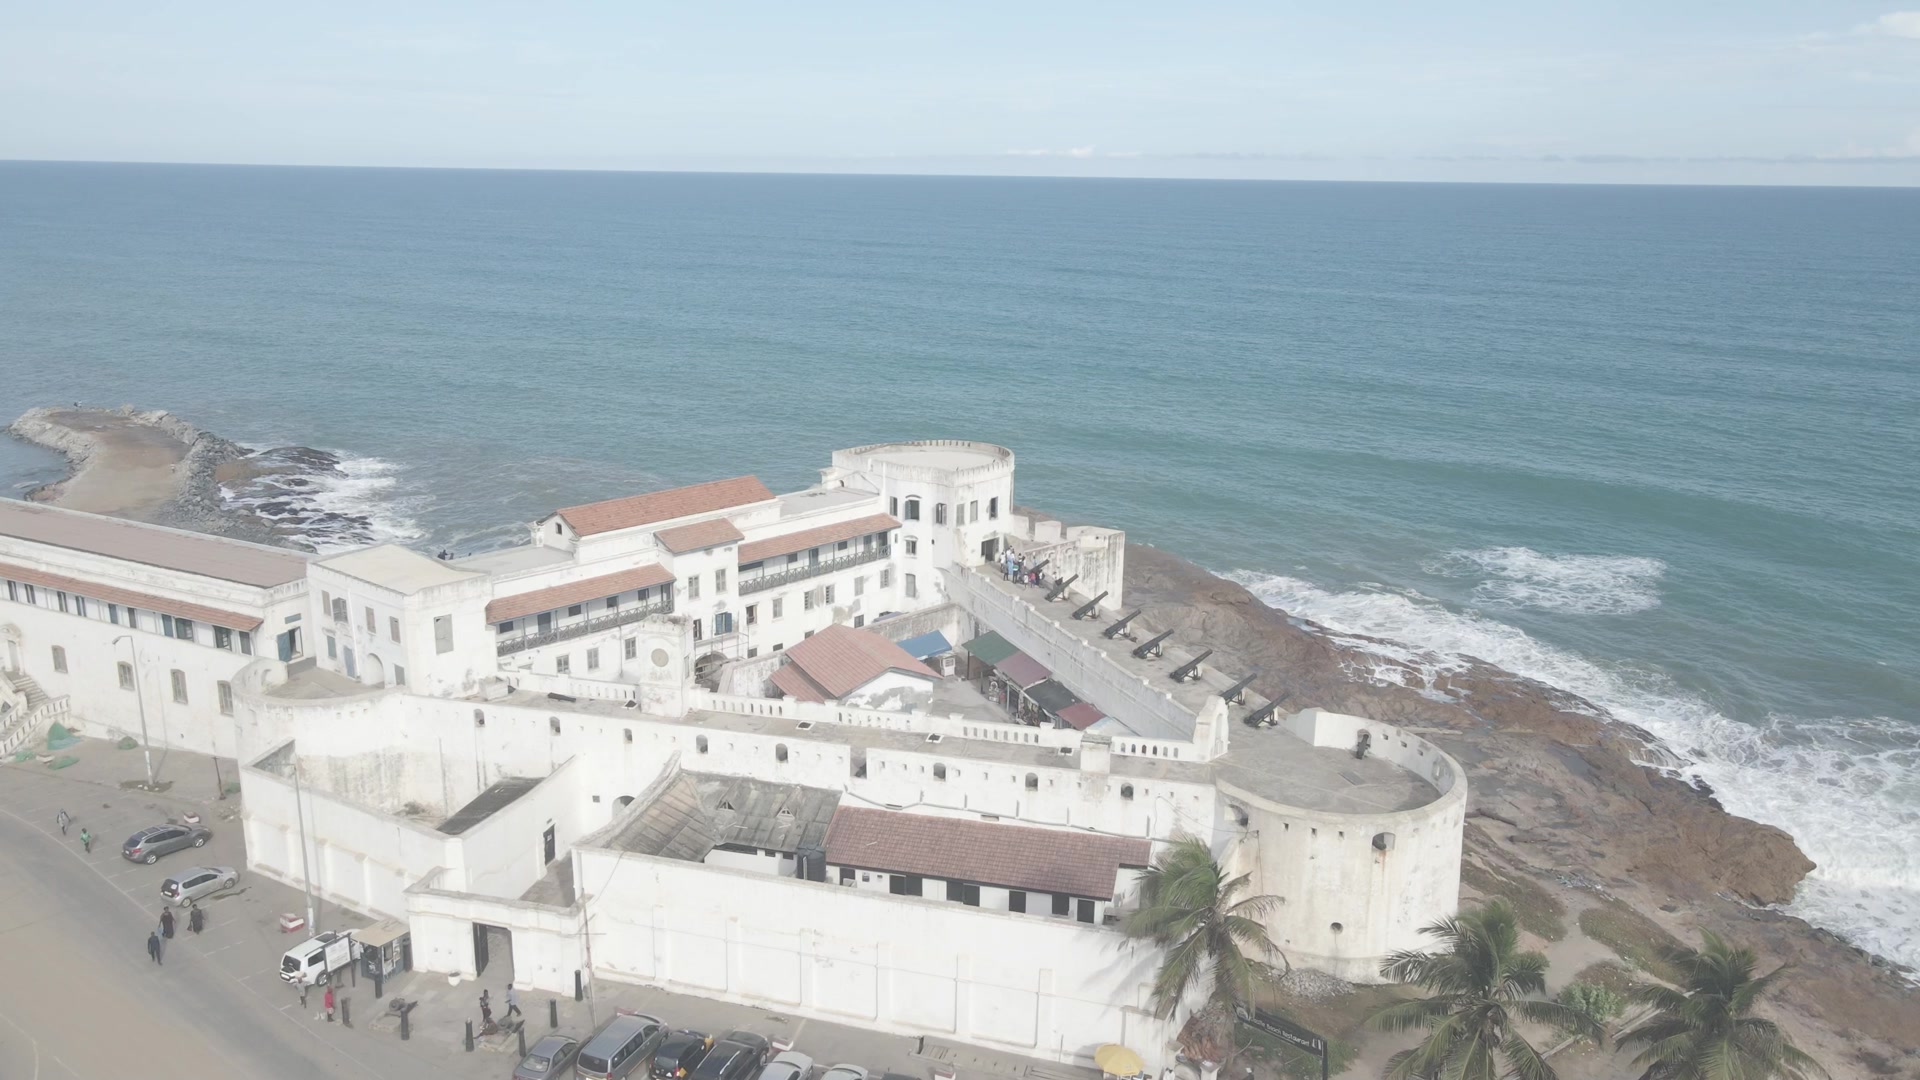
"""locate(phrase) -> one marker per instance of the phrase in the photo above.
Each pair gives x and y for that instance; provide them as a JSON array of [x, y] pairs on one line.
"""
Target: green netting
[[62, 761], [59, 738]]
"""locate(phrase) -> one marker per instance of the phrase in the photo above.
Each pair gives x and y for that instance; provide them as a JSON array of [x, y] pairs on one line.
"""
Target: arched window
[[700, 743], [554, 723], [628, 732], [1126, 791], [939, 772], [479, 718], [779, 751], [913, 508], [1033, 782], [939, 513]]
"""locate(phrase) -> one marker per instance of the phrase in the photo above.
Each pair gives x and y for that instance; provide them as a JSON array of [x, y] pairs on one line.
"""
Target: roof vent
[[805, 725], [1066, 749], [785, 815], [726, 804], [935, 738]]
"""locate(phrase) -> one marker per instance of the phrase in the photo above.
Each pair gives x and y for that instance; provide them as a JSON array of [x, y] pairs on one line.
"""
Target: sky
[[1677, 91]]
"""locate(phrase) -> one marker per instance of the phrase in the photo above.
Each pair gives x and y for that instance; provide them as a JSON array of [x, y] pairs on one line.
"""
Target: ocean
[[1657, 446]]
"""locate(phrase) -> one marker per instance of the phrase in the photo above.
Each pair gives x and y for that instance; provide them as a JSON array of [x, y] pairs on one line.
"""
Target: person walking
[[196, 919], [153, 945], [513, 1001], [63, 821], [486, 1011], [86, 840], [166, 923], [328, 1002]]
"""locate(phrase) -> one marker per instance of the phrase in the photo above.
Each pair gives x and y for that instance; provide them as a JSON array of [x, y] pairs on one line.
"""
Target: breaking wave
[[1521, 577], [331, 501], [1847, 789]]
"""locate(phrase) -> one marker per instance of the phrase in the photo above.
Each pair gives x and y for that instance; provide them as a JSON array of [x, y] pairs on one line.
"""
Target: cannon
[[1119, 629], [1060, 587], [1151, 647], [1237, 693], [1190, 670], [1089, 609]]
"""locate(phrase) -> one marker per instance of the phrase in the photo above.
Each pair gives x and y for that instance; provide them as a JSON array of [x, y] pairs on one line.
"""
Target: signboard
[[1288, 1032]]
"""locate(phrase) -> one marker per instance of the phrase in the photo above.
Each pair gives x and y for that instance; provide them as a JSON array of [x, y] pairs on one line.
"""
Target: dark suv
[[737, 1056], [150, 843], [680, 1054]]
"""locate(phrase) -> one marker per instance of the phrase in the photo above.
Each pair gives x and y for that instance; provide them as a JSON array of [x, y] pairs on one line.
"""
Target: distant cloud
[[1083, 153], [1905, 24]]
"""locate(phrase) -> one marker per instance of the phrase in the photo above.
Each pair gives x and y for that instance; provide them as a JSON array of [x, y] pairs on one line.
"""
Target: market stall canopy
[[925, 645], [1022, 670], [990, 648]]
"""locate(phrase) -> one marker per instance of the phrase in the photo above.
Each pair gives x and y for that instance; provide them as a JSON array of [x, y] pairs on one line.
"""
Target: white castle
[[813, 751]]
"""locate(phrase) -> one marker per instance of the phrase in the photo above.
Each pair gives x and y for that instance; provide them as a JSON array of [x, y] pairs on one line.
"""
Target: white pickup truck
[[313, 960]]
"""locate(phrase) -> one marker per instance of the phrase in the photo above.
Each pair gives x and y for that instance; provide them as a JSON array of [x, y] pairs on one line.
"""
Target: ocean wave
[[330, 500], [1847, 789], [1521, 577]]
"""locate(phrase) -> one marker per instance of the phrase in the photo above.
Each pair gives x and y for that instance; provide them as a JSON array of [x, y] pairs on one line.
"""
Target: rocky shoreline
[[1562, 796]]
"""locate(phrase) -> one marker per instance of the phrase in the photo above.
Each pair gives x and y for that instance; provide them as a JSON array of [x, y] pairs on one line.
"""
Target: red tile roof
[[698, 536], [575, 592], [1081, 715], [840, 660], [796, 685], [985, 853], [813, 538], [654, 506], [113, 594], [1022, 670]]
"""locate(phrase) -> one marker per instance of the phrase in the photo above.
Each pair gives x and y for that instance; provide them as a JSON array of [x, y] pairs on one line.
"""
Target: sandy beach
[[123, 464]]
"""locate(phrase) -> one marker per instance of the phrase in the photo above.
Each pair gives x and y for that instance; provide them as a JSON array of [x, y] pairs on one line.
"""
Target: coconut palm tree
[[1481, 985], [1704, 1032], [1192, 909]]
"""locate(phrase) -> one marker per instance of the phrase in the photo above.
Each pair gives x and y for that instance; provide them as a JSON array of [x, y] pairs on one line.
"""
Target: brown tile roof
[[813, 538], [111, 594], [1081, 715], [153, 545], [698, 536], [1022, 670], [985, 853], [575, 592], [840, 659], [654, 506], [796, 685]]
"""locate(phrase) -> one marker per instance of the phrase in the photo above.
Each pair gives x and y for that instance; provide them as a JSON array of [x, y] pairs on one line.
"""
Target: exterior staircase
[[32, 711]]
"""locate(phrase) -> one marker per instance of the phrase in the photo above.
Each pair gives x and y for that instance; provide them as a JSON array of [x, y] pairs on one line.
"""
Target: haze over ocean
[[1658, 446]]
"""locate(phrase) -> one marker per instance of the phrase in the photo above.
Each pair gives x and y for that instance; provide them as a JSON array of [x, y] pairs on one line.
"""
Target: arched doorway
[[11, 633], [706, 670], [376, 673]]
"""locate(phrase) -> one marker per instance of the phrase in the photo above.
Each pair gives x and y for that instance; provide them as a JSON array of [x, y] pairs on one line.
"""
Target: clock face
[[659, 658]]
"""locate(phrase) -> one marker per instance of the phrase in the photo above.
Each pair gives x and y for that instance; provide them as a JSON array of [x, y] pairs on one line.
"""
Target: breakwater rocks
[[284, 495]]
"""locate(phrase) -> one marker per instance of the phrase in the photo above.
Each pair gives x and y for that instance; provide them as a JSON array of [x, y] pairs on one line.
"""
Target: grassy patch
[[1637, 939], [1614, 977], [1540, 912]]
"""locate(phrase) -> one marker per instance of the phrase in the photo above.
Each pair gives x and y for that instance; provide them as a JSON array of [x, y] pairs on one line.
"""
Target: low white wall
[[504, 855], [547, 944], [1047, 988]]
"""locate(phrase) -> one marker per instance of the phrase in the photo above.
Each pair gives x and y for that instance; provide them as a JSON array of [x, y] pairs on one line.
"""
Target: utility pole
[[306, 870], [140, 700]]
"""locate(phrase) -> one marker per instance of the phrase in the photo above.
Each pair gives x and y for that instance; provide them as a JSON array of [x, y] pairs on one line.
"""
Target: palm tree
[[1481, 983], [1704, 1032], [1188, 907]]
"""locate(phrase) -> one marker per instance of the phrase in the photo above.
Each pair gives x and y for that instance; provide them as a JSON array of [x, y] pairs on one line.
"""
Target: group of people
[[1019, 572], [486, 1009], [196, 922], [65, 820]]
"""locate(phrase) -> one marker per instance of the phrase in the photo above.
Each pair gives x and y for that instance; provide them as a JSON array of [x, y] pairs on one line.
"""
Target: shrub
[[1593, 1001]]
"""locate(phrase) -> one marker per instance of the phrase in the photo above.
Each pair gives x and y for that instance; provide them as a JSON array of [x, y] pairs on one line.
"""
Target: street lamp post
[[140, 699], [306, 869]]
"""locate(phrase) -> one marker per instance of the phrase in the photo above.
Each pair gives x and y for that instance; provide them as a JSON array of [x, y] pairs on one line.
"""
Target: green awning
[[989, 648]]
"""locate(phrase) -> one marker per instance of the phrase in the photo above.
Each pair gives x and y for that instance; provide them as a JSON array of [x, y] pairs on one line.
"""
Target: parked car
[[788, 1065], [623, 1047], [680, 1053], [552, 1056], [845, 1072], [738, 1055], [150, 843], [197, 882]]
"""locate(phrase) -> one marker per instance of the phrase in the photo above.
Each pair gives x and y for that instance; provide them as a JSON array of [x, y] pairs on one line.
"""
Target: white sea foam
[[1848, 790], [351, 503], [1575, 584]]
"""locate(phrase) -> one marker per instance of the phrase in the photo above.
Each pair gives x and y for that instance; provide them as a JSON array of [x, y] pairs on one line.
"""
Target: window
[[632, 648], [700, 743], [573, 611], [443, 633], [593, 659], [1062, 904], [612, 602], [973, 510], [752, 652], [720, 581], [913, 508], [505, 628], [246, 643], [777, 646], [80, 606], [806, 600], [32, 597], [399, 675], [226, 697], [913, 587], [722, 623], [893, 505], [859, 586], [778, 603], [340, 609], [886, 577], [1016, 901], [326, 603], [859, 621], [693, 588], [60, 598], [912, 546], [333, 649], [1033, 782], [1126, 791], [126, 675], [826, 594], [905, 884], [373, 624], [939, 772], [993, 508], [59, 659], [1085, 913], [963, 892], [939, 513], [179, 686], [753, 614], [166, 625], [113, 612], [183, 629], [393, 627], [13, 591], [563, 665], [223, 638], [780, 752]]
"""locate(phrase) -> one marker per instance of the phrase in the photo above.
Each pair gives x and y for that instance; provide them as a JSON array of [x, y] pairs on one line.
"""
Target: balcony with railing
[[513, 643], [803, 571]]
